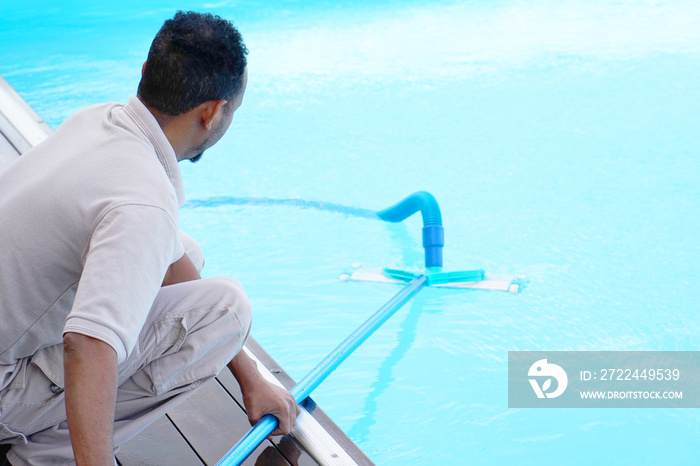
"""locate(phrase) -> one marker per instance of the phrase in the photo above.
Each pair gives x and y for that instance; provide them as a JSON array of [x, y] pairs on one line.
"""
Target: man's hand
[[268, 398], [262, 397], [91, 387]]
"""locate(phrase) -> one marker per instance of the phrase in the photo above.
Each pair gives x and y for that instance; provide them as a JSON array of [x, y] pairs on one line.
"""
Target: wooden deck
[[203, 428]]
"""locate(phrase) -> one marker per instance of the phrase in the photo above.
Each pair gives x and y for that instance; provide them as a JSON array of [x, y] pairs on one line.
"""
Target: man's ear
[[143, 68], [210, 109]]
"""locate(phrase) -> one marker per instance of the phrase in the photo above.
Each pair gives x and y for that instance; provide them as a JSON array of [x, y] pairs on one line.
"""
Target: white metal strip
[[24, 123]]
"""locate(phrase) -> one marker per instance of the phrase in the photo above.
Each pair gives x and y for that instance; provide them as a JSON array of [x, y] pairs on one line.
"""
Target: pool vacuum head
[[433, 242], [472, 279]]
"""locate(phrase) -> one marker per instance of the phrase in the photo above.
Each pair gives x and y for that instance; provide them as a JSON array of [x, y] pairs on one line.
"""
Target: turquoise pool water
[[560, 139]]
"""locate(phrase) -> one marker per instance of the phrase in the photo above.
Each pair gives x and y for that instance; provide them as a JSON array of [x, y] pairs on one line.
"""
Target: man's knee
[[206, 325], [233, 298]]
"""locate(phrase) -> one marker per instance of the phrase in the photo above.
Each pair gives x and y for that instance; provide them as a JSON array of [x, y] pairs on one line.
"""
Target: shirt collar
[[166, 154]]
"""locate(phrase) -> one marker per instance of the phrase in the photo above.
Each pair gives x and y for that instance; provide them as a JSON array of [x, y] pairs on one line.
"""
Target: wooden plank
[[159, 444], [212, 423]]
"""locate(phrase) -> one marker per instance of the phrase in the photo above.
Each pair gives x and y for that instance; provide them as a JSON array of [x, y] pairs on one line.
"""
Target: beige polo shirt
[[88, 228]]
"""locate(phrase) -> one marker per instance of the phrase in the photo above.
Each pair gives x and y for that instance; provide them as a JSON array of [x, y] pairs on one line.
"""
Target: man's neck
[[175, 128]]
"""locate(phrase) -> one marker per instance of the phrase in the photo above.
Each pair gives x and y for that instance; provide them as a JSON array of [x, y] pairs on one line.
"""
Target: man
[[105, 322]]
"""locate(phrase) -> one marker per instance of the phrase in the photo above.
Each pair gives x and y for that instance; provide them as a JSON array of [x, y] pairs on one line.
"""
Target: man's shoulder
[[90, 115], [104, 152], [96, 128]]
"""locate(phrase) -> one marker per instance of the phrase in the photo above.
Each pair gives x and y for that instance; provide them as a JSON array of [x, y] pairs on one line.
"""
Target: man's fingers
[[287, 420]]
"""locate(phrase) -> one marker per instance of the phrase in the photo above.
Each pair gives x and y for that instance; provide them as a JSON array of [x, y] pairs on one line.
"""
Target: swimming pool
[[558, 138]]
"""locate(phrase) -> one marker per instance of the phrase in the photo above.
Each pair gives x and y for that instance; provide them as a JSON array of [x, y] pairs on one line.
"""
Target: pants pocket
[[170, 335], [36, 404]]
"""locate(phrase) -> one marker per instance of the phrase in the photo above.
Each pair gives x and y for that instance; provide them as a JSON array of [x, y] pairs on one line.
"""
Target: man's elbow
[[79, 345]]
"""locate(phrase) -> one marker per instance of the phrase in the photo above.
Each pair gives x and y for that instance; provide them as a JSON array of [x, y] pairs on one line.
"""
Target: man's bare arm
[[91, 386], [182, 270]]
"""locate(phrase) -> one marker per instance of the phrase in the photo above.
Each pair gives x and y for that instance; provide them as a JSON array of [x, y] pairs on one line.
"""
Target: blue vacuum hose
[[433, 233]]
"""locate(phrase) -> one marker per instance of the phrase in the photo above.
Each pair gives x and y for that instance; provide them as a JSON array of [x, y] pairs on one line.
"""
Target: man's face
[[214, 137], [224, 122]]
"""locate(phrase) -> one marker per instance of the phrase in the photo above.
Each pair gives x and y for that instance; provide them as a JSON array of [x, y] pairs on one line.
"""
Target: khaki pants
[[193, 330]]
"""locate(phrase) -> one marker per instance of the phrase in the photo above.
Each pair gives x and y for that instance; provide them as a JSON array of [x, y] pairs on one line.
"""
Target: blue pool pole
[[318, 374]]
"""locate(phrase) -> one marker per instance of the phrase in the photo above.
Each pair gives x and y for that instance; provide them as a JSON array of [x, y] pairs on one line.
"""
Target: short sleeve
[[129, 253]]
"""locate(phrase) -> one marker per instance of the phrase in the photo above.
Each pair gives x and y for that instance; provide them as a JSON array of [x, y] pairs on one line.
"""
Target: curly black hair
[[194, 58]]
